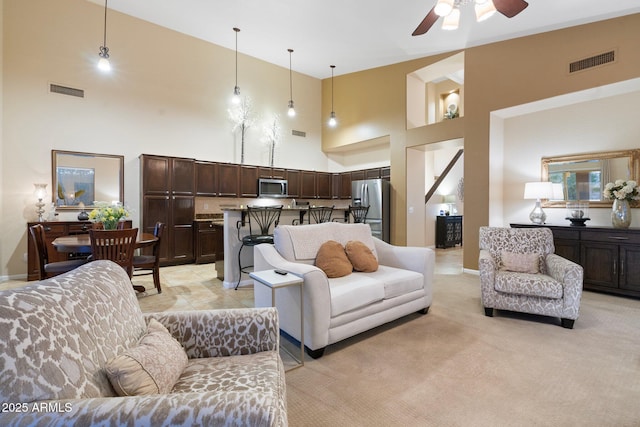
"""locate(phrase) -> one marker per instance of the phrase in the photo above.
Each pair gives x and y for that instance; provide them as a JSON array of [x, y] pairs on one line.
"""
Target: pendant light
[[236, 89], [291, 111], [332, 116], [103, 62]]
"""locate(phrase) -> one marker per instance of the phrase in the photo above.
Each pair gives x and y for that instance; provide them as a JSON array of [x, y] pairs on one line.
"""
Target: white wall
[[603, 124]]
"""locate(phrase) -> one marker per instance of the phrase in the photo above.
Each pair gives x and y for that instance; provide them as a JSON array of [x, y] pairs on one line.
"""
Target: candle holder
[[578, 213]]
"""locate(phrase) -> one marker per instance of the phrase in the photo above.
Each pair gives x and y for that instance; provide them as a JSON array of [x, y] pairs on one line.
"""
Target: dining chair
[[151, 262], [358, 213], [115, 245], [316, 215], [49, 269], [261, 221]]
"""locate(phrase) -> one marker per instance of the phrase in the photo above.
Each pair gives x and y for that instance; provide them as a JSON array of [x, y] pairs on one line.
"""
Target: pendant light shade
[[332, 117], [291, 112], [452, 20], [484, 10], [443, 7], [103, 62]]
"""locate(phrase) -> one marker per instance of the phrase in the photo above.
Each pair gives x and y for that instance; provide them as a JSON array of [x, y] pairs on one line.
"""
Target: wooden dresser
[[610, 256]]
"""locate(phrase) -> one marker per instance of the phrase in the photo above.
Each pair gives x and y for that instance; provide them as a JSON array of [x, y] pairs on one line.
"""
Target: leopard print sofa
[[57, 335]]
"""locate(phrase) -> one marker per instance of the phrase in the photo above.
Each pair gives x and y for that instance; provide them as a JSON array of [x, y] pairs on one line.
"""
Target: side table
[[273, 280]]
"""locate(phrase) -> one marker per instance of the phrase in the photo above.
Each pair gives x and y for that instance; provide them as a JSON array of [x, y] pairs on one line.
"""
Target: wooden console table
[[610, 256]]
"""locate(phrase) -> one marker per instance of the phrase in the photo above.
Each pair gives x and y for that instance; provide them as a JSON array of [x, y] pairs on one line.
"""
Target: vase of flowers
[[108, 215], [621, 192]]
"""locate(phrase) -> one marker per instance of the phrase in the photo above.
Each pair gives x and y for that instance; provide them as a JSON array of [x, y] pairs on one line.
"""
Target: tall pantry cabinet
[[168, 195]]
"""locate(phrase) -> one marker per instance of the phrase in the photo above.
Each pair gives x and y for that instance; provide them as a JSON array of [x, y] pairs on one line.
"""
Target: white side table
[[273, 280]]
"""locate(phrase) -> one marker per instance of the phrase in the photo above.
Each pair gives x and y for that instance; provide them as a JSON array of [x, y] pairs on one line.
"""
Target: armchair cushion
[[153, 366], [537, 285], [520, 263], [361, 257], [333, 260]]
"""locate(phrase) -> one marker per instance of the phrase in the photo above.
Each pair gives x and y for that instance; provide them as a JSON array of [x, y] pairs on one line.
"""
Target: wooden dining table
[[81, 243]]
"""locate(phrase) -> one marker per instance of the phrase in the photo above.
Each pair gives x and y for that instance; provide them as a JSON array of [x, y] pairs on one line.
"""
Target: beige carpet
[[456, 367]]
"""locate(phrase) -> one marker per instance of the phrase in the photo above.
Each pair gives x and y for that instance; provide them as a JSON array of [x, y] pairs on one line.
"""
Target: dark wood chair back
[[38, 237], [115, 245], [151, 262]]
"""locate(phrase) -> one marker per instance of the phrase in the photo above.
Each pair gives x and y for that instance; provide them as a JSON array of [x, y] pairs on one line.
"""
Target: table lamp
[[538, 191], [40, 192]]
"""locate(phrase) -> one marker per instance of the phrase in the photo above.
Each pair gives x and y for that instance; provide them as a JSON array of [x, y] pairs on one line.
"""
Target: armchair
[[519, 271]]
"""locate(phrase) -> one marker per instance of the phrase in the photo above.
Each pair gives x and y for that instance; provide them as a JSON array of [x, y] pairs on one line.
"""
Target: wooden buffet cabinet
[[610, 256]]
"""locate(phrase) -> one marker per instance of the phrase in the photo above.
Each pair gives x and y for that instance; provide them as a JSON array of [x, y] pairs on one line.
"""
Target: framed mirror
[[582, 177], [84, 178]]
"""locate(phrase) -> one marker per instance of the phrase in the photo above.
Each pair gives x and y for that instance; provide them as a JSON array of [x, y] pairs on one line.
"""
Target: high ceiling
[[354, 35]]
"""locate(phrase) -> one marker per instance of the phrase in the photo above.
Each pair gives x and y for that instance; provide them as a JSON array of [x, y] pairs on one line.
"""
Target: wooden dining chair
[[115, 245], [49, 269], [151, 262]]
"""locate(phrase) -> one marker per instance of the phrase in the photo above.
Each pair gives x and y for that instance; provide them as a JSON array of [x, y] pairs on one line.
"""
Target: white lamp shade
[[443, 7], [484, 10], [40, 191], [558, 192], [451, 21], [538, 190], [449, 198]]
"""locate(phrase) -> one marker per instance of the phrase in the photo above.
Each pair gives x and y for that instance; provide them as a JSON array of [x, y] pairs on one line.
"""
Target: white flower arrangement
[[622, 190]]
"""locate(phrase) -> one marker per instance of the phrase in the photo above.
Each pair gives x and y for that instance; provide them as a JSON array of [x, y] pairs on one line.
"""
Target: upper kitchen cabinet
[[206, 178], [229, 179], [294, 182], [323, 185], [249, 181]]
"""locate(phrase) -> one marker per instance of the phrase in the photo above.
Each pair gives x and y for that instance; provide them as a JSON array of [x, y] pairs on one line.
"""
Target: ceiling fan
[[508, 8]]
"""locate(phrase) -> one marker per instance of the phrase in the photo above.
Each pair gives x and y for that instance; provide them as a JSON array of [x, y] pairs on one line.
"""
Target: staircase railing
[[442, 176]]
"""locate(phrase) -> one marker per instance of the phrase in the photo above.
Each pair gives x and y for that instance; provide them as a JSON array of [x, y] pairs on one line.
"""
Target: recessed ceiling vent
[[594, 61], [299, 133], [64, 90]]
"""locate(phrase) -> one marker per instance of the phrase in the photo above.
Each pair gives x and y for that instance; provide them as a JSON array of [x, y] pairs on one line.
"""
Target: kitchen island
[[234, 217]]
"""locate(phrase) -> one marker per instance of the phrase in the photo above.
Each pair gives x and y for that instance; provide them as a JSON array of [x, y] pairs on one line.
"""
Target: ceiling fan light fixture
[[484, 10], [443, 7], [451, 21]]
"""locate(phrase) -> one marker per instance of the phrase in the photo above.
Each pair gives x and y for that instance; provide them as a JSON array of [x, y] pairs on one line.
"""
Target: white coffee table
[[273, 280]]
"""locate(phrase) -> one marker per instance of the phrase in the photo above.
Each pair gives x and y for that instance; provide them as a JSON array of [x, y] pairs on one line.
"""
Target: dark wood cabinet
[[345, 185], [206, 244], [206, 179], [373, 173], [323, 185], [448, 231], [308, 185], [610, 257], [248, 181], [294, 178], [168, 195], [356, 175], [228, 179], [385, 173]]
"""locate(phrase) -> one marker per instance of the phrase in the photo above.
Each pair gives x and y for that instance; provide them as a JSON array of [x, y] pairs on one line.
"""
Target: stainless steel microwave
[[273, 187]]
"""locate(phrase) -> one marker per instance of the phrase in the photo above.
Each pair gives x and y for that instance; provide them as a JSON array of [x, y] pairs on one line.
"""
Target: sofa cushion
[[520, 263], [538, 285], [300, 243], [151, 367], [354, 291], [360, 256], [332, 259], [397, 281]]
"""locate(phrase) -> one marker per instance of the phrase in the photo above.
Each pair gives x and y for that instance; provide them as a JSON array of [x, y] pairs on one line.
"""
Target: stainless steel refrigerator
[[376, 194]]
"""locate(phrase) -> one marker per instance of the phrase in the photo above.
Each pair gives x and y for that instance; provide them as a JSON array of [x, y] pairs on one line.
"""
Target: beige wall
[[168, 94], [497, 76]]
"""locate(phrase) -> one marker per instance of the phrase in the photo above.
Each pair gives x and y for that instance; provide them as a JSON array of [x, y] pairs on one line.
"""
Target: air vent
[[298, 133], [64, 90], [594, 61]]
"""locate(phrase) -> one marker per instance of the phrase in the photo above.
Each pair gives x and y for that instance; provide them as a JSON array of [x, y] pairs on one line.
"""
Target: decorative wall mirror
[[84, 178], [583, 176]]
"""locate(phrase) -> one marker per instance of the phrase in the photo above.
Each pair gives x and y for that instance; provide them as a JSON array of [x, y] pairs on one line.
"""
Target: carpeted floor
[[456, 367]]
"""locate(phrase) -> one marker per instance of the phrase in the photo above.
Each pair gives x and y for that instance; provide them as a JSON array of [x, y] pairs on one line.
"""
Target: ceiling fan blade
[[510, 8], [426, 23]]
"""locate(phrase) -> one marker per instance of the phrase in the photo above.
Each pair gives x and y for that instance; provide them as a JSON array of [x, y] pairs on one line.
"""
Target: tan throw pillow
[[520, 263], [361, 257], [151, 367], [333, 260]]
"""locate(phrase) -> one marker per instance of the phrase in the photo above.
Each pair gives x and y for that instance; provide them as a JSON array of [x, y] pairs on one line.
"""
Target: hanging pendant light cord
[[104, 39], [332, 67], [236, 30], [290, 77]]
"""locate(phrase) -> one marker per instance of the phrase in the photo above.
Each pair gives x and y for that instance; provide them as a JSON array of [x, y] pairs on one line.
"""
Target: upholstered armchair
[[519, 271]]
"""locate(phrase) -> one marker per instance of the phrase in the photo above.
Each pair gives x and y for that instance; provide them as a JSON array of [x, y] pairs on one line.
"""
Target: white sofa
[[338, 308]]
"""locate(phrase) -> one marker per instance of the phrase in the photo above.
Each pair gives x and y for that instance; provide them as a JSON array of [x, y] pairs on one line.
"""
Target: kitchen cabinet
[[610, 257], [345, 185], [373, 173], [248, 181], [385, 173], [228, 180], [308, 185], [294, 182], [448, 231], [168, 195], [206, 178], [323, 185], [206, 241]]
